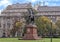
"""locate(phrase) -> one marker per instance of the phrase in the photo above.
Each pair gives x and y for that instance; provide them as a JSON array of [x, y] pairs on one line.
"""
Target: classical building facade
[[52, 12], [10, 15], [18, 11]]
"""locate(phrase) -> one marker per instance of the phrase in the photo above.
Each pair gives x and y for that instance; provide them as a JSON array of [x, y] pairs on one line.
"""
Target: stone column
[[1, 28]]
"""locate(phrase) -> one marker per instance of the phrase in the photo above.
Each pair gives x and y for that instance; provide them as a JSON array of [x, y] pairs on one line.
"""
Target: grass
[[16, 40]]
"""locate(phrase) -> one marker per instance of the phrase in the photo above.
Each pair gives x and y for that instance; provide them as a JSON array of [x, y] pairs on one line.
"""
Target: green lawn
[[16, 40]]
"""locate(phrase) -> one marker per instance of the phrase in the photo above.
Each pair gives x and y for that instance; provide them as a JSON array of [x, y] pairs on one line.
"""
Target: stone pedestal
[[31, 32]]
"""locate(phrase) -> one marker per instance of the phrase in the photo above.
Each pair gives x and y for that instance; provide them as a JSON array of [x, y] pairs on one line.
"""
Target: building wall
[[12, 13], [7, 24], [52, 12]]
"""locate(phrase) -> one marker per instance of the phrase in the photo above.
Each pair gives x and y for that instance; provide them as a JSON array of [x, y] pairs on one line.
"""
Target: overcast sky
[[5, 3]]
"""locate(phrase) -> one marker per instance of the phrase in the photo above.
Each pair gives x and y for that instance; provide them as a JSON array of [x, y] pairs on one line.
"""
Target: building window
[[8, 24], [3, 25], [0, 24]]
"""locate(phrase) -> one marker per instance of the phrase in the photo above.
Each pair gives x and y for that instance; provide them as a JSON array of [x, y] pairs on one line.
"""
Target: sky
[[5, 3]]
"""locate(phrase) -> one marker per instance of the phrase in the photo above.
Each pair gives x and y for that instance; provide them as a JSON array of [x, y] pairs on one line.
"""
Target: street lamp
[[51, 30]]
